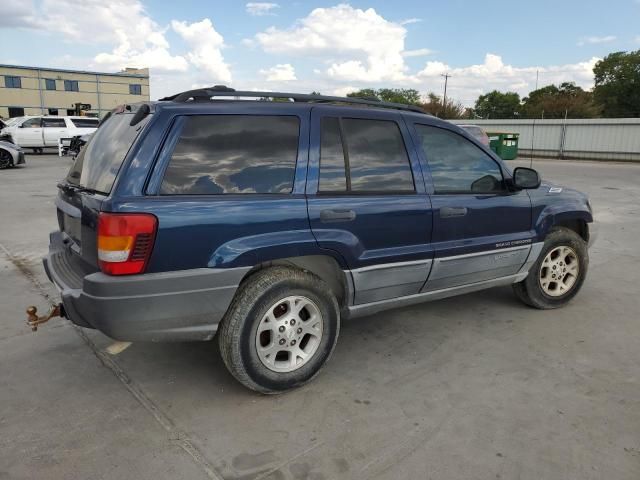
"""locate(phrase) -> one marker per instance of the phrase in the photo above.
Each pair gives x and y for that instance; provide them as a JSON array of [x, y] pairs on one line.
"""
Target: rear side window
[[457, 165], [53, 122], [374, 158], [219, 154], [98, 163], [85, 122]]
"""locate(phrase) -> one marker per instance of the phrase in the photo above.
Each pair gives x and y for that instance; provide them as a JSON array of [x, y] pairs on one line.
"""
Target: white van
[[45, 131]]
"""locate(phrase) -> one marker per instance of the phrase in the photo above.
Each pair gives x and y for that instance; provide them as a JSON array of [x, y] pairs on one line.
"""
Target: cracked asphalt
[[477, 386]]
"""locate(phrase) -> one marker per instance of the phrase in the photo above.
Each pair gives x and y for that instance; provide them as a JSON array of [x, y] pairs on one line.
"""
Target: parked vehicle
[[270, 222], [478, 133], [10, 155], [39, 132]]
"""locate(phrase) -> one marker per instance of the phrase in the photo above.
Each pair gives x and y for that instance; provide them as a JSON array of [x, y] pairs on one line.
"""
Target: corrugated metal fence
[[595, 139]]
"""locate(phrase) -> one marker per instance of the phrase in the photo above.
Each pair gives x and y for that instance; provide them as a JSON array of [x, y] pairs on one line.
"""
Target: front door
[[29, 133], [481, 229], [367, 201]]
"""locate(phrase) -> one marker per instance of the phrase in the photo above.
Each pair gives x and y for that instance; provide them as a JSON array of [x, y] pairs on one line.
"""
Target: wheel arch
[[323, 266], [575, 220]]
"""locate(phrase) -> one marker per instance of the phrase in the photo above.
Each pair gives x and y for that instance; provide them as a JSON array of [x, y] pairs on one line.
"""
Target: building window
[[12, 82], [71, 112], [16, 112], [71, 86], [135, 89], [53, 111], [50, 83]]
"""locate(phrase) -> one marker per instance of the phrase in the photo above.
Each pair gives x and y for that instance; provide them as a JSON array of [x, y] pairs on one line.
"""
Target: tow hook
[[33, 320]]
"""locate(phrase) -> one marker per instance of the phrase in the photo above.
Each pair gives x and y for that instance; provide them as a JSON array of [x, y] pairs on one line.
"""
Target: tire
[[6, 160], [565, 244], [267, 301]]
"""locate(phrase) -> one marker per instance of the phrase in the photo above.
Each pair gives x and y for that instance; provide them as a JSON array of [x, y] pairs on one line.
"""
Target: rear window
[[85, 122], [98, 163], [218, 154]]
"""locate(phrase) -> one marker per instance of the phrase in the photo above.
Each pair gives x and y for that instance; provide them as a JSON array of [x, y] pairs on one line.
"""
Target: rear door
[[53, 129], [29, 133], [481, 230], [90, 180], [367, 201]]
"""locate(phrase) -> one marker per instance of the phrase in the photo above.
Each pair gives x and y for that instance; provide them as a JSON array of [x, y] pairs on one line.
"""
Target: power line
[[444, 100]]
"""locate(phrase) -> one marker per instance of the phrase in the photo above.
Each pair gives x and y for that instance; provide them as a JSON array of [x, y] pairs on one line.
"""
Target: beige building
[[50, 91]]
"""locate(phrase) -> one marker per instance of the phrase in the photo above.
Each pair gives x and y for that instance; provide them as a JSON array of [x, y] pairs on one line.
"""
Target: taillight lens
[[125, 241]]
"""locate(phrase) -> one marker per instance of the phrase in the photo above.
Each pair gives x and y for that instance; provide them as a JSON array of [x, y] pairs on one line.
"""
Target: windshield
[[100, 160]]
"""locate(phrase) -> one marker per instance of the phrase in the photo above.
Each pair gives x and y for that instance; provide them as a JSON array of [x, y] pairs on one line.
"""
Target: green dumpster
[[504, 144]]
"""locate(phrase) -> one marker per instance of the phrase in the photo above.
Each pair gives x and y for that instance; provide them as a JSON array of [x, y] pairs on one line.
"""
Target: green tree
[[554, 102], [617, 84], [408, 96], [498, 105], [434, 106]]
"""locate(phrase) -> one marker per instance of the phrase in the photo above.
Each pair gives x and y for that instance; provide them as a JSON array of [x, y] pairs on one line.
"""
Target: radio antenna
[[533, 128]]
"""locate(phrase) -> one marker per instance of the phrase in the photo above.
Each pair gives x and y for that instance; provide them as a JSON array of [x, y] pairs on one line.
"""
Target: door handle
[[337, 216], [446, 212]]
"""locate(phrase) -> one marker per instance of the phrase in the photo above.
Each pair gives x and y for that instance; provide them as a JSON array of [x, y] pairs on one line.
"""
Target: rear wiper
[[69, 187]]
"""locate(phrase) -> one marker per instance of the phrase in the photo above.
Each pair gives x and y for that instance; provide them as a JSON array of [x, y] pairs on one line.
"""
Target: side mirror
[[526, 178]]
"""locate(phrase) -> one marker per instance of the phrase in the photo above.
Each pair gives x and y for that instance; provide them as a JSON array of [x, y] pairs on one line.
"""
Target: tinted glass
[[378, 159], [233, 154], [332, 173], [32, 123], [85, 122], [99, 162], [50, 84], [457, 165], [53, 122]]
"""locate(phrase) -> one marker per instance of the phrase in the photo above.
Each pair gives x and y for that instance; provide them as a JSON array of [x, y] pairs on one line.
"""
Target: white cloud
[[466, 83], [420, 52], [206, 49], [373, 44], [409, 21], [259, 9], [596, 40], [283, 72]]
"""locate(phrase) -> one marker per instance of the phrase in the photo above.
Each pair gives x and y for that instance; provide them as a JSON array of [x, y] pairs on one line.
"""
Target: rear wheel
[[280, 329], [559, 272]]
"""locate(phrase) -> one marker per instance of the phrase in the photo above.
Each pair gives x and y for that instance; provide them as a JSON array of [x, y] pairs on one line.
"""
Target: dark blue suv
[[269, 221]]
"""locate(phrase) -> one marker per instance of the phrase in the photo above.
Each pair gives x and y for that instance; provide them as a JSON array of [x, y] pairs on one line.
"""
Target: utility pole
[[444, 99]]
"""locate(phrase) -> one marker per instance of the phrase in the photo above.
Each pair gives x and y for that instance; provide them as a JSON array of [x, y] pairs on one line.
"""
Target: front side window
[[12, 82], [71, 85], [218, 154], [53, 123], [50, 84], [374, 158], [32, 123], [135, 89], [457, 165]]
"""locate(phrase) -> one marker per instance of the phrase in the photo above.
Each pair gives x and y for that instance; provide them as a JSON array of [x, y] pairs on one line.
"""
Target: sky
[[331, 47]]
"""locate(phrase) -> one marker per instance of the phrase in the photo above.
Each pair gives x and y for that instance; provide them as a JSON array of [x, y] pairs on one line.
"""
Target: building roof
[[86, 72]]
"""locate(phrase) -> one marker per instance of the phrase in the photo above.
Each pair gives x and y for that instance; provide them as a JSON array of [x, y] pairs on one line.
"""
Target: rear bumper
[[167, 306]]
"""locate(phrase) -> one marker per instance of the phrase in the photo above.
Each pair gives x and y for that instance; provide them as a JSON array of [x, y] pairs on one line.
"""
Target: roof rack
[[206, 94]]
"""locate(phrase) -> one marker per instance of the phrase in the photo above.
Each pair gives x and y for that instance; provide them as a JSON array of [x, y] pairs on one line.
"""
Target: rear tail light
[[125, 241]]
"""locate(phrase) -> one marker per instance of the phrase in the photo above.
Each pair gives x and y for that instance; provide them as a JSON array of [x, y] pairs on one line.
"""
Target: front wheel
[[6, 160], [558, 274], [280, 329]]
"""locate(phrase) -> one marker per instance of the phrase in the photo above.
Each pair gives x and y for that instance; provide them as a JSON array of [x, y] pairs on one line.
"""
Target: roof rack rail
[[206, 94]]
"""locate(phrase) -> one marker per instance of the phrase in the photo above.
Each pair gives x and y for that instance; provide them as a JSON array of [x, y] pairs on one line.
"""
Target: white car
[[45, 131]]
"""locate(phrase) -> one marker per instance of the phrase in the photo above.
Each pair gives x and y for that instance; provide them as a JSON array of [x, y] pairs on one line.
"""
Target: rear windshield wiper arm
[[70, 187]]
